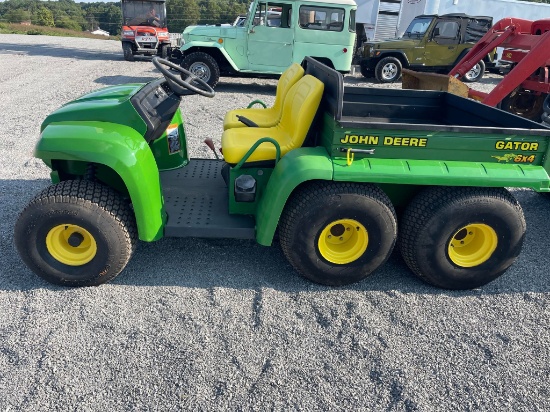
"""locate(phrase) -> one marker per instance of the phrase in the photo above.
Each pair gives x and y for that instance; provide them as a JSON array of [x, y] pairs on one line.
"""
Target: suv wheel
[[388, 70], [203, 66], [476, 73]]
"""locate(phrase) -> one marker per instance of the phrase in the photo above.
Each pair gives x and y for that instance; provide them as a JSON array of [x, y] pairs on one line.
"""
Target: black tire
[[163, 51], [319, 210], [461, 237], [524, 103], [128, 51], [476, 73], [367, 73], [95, 215], [388, 70], [203, 66]]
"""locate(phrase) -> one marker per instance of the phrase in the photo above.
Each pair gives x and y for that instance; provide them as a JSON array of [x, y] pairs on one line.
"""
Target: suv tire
[[203, 66], [388, 70], [476, 73]]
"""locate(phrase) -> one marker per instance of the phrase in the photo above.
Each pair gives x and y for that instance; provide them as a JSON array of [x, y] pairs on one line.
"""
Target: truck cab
[[431, 43], [271, 38]]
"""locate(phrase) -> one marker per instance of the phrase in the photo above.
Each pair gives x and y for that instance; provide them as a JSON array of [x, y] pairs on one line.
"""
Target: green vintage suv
[[431, 43], [271, 38]]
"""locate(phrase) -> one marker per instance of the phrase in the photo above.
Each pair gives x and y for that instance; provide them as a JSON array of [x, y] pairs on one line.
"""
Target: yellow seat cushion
[[270, 116], [299, 110]]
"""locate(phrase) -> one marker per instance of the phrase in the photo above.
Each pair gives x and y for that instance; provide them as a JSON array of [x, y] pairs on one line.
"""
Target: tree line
[[108, 16]]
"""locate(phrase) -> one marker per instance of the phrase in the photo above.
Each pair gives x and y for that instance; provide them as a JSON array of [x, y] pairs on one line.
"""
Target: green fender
[[210, 45], [298, 166], [122, 149]]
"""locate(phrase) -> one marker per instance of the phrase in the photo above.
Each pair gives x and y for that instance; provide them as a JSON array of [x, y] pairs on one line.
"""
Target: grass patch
[[11, 28]]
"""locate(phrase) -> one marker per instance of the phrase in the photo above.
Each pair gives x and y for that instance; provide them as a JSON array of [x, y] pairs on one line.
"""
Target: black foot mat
[[196, 200]]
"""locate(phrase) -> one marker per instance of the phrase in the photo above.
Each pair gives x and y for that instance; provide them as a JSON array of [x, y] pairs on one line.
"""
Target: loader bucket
[[433, 81]]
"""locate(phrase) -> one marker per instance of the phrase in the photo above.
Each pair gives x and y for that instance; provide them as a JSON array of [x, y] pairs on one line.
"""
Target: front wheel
[[461, 238], [476, 73], [388, 70], [337, 233], [203, 66], [76, 233], [128, 51]]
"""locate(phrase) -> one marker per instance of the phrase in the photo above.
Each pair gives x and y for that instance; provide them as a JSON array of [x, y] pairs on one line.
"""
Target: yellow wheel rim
[[472, 245], [343, 241], [71, 245]]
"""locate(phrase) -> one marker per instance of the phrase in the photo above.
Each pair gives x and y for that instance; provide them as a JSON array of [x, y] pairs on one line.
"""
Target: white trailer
[[383, 19]]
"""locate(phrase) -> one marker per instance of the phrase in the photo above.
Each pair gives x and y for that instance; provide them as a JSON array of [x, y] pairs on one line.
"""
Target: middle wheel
[[338, 233]]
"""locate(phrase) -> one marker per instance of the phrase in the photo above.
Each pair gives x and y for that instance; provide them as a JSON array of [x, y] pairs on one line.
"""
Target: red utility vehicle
[[144, 30]]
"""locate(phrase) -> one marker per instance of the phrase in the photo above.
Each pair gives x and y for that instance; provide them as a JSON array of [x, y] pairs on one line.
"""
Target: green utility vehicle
[[430, 43], [332, 177], [273, 36]]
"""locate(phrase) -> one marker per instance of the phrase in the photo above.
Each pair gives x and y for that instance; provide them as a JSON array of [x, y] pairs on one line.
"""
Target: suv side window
[[321, 18], [278, 15], [446, 32]]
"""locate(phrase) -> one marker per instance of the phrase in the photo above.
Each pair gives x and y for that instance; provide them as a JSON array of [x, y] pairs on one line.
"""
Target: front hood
[[101, 105], [393, 44], [210, 33]]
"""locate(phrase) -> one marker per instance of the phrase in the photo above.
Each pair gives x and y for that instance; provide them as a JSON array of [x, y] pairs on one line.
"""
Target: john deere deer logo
[[505, 158]]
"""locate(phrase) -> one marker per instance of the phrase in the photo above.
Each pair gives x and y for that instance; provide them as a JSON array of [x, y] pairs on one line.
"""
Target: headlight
[[128, 33], [371, 51]]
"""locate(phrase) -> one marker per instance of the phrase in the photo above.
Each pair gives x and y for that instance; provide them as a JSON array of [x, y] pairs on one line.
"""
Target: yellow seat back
[[288, 79], [299, 109]]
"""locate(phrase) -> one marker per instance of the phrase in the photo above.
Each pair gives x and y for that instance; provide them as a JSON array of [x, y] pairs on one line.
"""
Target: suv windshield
[[418, 27], [144, 13]]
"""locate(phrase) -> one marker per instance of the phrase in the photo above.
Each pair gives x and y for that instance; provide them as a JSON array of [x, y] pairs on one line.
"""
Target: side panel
[[122, 149], [209, 45], [442, 173], [298, 166]]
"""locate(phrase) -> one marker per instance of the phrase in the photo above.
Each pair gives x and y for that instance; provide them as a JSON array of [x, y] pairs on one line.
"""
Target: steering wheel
[[177, 84]]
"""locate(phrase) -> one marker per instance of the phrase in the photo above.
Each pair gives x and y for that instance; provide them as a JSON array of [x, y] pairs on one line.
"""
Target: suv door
[[271, 37], [442, 48]]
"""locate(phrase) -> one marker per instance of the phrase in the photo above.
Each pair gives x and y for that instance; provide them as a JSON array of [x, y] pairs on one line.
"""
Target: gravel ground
[[221, 324]]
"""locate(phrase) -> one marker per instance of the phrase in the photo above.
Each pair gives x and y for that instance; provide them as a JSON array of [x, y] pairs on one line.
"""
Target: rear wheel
[[128, 51], [203, 66], [461, 238], [524, 103], [476, 73], [388, 70], [76, 233], [337, 233]]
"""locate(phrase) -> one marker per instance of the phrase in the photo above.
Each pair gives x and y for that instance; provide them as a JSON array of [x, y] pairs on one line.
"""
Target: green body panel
[[442, 173], [123, 150], [111, 104], [237, 60], [424, 157], [298, 166], [270, 50], [166, 154]]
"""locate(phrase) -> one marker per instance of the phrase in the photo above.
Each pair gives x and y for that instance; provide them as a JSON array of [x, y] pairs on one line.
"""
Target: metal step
[[196, 201]]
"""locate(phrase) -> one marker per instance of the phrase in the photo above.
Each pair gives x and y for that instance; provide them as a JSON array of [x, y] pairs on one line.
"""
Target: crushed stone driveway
[[196, 324]]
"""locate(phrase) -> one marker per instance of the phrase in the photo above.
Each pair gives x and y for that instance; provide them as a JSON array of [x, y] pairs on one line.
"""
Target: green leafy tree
[[17, 16], [181, 13], [43, 17]]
